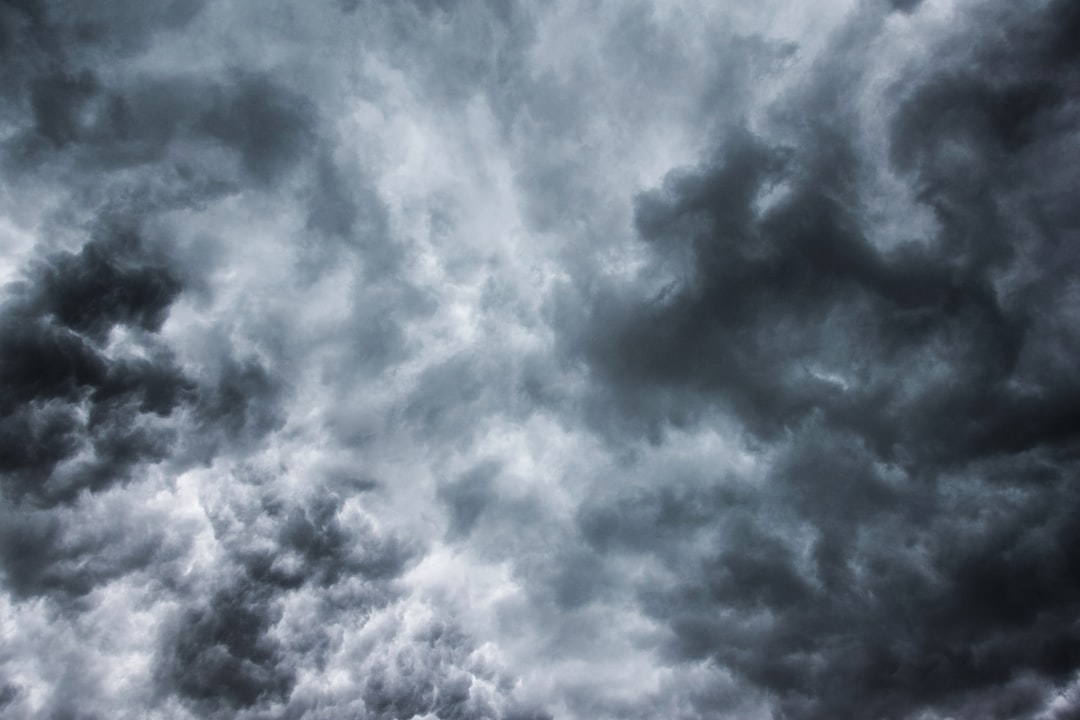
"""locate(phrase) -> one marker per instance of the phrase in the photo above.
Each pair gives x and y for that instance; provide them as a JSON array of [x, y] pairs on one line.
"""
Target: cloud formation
[[482, 360]]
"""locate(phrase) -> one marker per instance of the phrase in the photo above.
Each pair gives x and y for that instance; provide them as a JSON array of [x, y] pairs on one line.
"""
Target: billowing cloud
[[483, 360]]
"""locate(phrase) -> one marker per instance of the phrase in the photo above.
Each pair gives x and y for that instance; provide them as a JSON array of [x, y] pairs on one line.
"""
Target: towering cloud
[[485, 360]]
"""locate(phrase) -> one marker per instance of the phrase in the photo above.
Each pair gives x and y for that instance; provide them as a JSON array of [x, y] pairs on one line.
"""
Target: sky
[[568, 360]]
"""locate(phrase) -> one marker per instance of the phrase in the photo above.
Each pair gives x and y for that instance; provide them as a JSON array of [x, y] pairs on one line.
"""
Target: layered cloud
[[484, 360]]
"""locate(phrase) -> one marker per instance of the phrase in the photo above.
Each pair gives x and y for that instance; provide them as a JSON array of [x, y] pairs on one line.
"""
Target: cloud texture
[[496, 360]]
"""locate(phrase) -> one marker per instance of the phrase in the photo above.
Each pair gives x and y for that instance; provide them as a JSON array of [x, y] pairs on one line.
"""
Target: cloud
[[482, 360], [908, 391], [63, 395], [222, 657]]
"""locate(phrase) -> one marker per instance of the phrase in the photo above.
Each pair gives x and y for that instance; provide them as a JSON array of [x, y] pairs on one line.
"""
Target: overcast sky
[[563, 360]]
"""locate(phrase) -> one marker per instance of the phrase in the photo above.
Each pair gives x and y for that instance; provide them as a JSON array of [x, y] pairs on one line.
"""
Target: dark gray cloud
[[44, 555], [482, 360], [908, 550], [905, 5], [62, 393], [222, 657]]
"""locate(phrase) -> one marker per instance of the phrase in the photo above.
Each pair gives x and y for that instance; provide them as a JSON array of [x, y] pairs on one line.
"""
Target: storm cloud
[[486, 360]]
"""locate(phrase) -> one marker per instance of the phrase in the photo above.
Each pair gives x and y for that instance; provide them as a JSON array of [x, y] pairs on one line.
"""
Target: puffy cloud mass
[[472, 359]]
